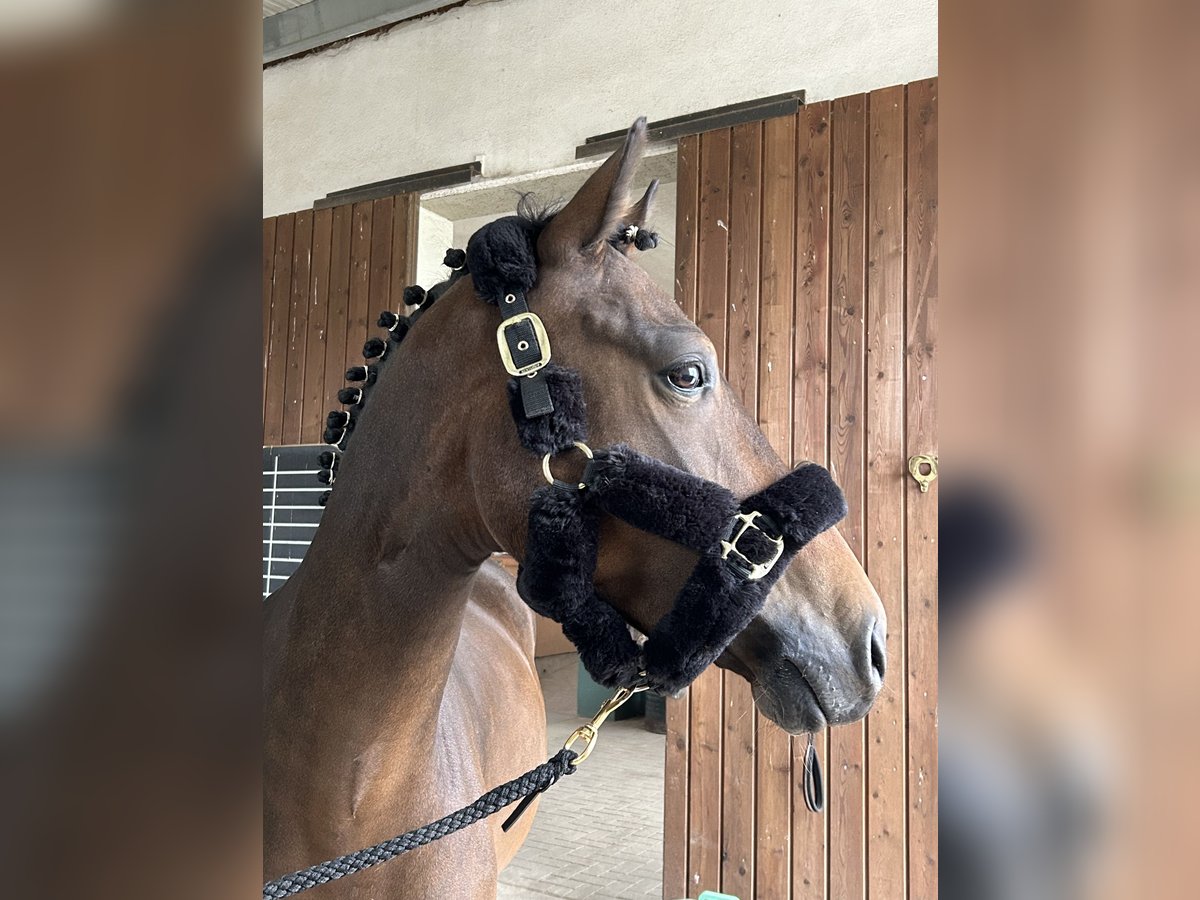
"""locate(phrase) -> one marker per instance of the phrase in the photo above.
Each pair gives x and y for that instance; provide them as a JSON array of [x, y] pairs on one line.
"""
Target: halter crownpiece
[[744, 547]]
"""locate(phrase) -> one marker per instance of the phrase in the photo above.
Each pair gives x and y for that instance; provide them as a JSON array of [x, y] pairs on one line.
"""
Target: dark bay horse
[[399, 676]]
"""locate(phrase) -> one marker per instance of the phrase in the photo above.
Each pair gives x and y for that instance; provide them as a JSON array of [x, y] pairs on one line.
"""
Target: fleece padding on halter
[[656, 497], [501, 257], [719, 599], [550, 434], [556, 582]]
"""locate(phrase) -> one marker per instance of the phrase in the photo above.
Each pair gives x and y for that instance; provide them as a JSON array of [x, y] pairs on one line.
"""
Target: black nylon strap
[[535, 394], [514, 307], [522, 343]]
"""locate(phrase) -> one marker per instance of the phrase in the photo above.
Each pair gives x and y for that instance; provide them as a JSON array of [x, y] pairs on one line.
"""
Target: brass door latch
[[923, 468]]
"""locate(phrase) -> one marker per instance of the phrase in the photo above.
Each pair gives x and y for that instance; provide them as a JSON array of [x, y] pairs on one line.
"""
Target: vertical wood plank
[[772, 862], [676, 786], [268, 274], [745, 237], [810, 377], [704, 780], [847, 838], [318, 320], [741, 370], [921, 514], [381, 262], [297, 329], [885, 474], [281, 287], [847, 213], [687, 201], [405, 216], [777, 283], [676, 798], [813, 199], [704, 812], [358, 319], [341, 228], [712, 239]]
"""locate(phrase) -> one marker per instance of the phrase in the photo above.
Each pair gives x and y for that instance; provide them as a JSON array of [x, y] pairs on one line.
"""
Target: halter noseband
[[744, 547]]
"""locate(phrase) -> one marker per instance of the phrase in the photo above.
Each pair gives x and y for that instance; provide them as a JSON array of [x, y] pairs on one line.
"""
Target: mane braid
[[642, 239], [339, 424]]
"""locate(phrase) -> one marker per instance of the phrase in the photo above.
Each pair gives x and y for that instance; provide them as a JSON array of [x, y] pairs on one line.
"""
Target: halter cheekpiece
[[744, 547]]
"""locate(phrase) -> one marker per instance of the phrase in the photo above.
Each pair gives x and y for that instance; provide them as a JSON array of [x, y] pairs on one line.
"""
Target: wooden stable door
[[807, 251], [327, 274]]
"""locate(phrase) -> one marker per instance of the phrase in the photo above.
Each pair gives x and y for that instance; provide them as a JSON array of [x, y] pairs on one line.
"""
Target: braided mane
[[339, 424]]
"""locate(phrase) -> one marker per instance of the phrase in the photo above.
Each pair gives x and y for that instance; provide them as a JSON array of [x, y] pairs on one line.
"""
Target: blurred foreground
[[130, 350], [1070, 229]]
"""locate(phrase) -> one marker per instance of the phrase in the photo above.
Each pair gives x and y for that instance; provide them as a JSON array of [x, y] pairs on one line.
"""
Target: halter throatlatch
[[744, 547]]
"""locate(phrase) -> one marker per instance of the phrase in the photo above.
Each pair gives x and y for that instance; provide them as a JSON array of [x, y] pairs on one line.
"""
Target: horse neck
[[385, 583]]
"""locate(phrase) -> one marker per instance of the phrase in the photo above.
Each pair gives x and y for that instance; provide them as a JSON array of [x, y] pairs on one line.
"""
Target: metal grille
[[290, 511]]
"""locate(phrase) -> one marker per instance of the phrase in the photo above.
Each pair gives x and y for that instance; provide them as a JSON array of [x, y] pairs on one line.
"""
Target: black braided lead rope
[[532, 782]]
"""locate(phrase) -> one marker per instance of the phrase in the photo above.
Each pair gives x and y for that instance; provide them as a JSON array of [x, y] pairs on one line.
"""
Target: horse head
[[814, 654]]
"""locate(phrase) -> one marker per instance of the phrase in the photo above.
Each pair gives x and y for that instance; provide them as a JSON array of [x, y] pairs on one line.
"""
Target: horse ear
[[600, 205], [639, 215]]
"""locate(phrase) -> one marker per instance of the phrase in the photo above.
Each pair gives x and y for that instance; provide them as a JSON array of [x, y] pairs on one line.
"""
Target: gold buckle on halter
[[750, 570], [589, 732], [543, 340]]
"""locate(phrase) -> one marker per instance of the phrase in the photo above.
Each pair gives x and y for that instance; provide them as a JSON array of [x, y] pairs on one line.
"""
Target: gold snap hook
[[589, 732], [923, 468]]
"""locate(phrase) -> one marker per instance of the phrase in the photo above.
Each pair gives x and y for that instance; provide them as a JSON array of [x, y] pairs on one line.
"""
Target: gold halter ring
[[582, 448]]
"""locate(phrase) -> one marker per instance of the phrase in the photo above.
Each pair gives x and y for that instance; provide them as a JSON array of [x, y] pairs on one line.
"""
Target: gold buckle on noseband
[[749, 569], [589, 732]]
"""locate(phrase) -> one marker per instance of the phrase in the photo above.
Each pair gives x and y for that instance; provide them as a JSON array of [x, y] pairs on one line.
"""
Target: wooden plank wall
[[807, 251], [327, 274]]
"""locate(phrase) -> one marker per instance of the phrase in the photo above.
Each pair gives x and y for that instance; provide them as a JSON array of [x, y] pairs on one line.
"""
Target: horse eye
[[686, 377]]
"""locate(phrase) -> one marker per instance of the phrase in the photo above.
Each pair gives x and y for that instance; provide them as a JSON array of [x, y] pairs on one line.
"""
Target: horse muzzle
[[805, 673]]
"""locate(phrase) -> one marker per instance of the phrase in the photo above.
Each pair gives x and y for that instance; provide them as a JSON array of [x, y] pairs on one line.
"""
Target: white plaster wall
[[434, 234], [519, 83]]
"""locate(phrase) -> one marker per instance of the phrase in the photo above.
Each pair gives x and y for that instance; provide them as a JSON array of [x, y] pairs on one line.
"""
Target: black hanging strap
[[536, 396], [814, 782]]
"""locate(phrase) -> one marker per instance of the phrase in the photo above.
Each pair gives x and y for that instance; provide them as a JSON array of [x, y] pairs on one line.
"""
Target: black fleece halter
[[744, 547]]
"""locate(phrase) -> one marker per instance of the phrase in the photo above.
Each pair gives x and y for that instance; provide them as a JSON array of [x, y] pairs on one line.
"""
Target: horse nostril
[[878, 650]]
